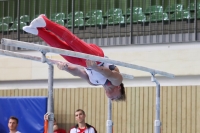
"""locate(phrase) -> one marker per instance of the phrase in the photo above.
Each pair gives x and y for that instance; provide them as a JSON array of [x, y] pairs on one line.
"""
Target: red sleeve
[[60, 131]]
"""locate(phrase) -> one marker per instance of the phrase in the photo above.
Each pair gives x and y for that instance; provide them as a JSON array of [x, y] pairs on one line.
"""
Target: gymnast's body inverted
[[95, 73]]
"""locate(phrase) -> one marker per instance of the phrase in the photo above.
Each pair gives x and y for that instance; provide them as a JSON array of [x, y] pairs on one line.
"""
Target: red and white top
[[87, 129], [81, 130]]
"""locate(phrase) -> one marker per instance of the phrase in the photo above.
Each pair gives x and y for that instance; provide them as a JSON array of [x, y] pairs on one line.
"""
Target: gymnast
[[95, 73]]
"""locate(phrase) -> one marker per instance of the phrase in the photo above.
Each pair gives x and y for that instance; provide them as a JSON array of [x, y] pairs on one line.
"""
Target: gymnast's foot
[[38, 22], [31, 30]]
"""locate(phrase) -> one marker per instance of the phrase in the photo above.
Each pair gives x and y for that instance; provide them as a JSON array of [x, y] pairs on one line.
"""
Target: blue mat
[[29, 111]]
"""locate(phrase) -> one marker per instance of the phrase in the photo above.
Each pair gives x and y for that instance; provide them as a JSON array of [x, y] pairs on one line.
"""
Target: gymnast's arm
[[113, 76], [73, 69]]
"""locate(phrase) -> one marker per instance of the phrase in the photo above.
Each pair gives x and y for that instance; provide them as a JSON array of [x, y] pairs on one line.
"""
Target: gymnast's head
[[115, 93]]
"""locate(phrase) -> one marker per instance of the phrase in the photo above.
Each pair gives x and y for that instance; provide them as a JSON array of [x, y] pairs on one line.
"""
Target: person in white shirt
[[81, 126], [12, 124]]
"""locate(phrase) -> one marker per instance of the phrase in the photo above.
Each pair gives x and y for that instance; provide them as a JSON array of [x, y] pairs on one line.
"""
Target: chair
[[180, 15], [93, 21], [116, 19], [136, 10], [57, 16], [158, 17], [61, 22], [78, 22], [7, 19], [153, 9], [60, 16], [77, 14], [173, 8], [3, 27], [96, 13], [191, 6], [113, 11], [137, 18], [25, 18], [14, 26], [198, 15]]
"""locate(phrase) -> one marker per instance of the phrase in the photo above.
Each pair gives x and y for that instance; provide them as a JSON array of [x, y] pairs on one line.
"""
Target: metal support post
[[50, 110], [195, 20], [131, 16], [18, 19], [73, 15], [157, 122], [50, 100], [109, 123]]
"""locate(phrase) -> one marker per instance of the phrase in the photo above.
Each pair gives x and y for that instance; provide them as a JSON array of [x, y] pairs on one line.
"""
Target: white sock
[[38, 22], [31, 30]]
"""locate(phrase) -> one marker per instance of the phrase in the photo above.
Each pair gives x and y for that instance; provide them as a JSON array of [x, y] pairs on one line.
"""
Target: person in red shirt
[[81, 126]]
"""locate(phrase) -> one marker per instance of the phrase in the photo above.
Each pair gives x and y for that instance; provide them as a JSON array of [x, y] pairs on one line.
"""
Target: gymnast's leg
[[52, 40], [73, 41]]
